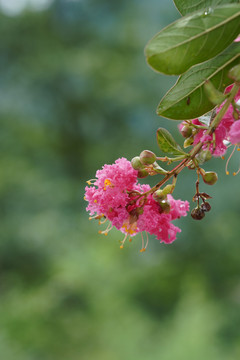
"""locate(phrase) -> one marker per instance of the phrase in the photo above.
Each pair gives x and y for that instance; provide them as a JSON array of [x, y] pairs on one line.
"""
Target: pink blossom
[[116, 196], [234, 133], [155, 221]]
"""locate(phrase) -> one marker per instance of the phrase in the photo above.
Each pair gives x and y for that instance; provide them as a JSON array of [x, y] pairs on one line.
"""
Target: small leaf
[[193, 39], [189, 6], [167, 143], [187, 98]]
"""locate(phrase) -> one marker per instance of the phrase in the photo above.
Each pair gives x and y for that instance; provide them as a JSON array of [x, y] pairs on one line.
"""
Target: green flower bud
[[186, 131], [136, 163], [147, 157], [234, 73], [203, 156], [209, 177], [168, 189], [215, 96], [188, 142], [197, 213], [159, 196], [166, 207], [142, 173]]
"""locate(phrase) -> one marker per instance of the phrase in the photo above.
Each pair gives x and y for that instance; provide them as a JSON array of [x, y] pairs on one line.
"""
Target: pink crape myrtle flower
[[234, 133], [116, 196], [155, 221]]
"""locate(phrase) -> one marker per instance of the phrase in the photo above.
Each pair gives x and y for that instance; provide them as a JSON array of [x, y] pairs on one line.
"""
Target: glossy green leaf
[[193, 39], [167, 143], [187, 98], [188, 6]]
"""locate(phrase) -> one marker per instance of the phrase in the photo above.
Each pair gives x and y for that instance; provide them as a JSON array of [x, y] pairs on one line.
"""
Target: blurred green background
[[75, 93]]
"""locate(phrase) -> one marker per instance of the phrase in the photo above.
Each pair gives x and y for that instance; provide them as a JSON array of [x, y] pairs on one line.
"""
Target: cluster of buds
[[146, 164]]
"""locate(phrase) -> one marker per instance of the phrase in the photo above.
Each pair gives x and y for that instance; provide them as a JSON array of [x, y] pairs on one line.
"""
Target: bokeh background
[[75, 93]]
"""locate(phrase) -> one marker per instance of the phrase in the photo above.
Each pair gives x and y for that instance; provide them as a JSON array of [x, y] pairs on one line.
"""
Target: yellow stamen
[[222, 157], [226, 167], [105, 232], [84, 198], [91, 181], [144, 247], [237, 172], [107, 182]]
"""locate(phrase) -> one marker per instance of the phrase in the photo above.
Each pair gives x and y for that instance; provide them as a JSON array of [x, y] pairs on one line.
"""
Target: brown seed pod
[[197, 213]]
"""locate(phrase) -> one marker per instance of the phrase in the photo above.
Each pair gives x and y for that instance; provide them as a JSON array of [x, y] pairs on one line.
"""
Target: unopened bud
[[197, 213], [142, 173], [209, 177], [166, 207], [168, 189], [147, 157], [186, 131], [136, 163], [159, 196], [188, 142], [206, 206], [191, 165], [234, 73], [215, 96], [203, 156]]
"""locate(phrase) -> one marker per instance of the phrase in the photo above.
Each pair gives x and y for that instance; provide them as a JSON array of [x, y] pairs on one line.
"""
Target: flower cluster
[[130, 207], [228, 131]]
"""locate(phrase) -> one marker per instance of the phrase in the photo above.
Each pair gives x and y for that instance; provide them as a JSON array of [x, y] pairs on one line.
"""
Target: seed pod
[[136, 163], [197, 213], [206, 206], [147, 157], [209, 177]]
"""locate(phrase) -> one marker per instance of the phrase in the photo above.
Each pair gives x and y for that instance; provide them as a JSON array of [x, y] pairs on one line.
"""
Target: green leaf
[[187, 98], [188, 6], [167, 143], [193, 39]]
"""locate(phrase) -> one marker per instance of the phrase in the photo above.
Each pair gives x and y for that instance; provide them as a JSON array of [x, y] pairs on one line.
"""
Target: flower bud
[[197, 213], [191, 165], [234, 73], [188, 142], [186, 131], [159, 195], [165, 205], [147, 157], [168, 189], [142, 173], [203, 156], [206, 206], [215, 96], [136, 163], [209, 177]]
